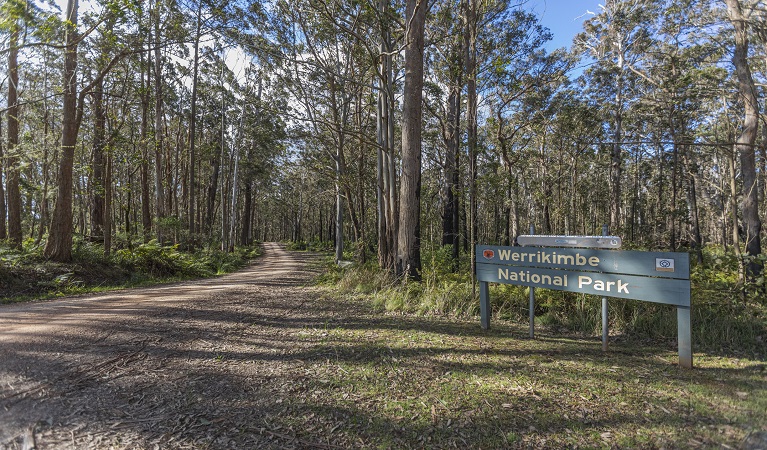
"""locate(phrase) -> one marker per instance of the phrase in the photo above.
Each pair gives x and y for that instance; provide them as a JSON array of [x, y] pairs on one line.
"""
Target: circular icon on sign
[[488, 254], [664, 263]]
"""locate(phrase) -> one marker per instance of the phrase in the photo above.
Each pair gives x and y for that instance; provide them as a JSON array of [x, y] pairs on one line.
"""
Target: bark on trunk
[[108, 206], [98, 176], [146, 201], [212, 189], [692, 203], [44, 194], [193, 125], [3, 206], [247, 223], [470, 48], [745, 144], [616, 165], [387, 186], [453, 140], [12, 186], [159, 132], [409, 245], [59, 244]]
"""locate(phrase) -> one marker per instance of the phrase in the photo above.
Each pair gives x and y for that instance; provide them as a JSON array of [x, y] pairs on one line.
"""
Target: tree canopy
[[383, 127]]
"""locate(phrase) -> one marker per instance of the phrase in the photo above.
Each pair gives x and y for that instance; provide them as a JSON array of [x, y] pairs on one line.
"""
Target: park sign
[[661, 277], [561, 263]]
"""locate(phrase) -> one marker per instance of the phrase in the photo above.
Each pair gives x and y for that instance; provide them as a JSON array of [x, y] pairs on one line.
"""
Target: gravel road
[[198, 364]]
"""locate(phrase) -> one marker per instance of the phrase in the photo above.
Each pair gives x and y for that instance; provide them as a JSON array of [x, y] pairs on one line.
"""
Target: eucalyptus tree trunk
[[44, 193], [390, 173], [383, 249], [386, 166], [745, 143], [339, 223], [246, 232], [212, 188], [193, 123], [3, 206], [159, 132], [692, 203], [98, 178], [362, 251], [734, 207], [218, 155], [450, 234], [235, 180], [108, 205], [235, 195], [616, 155], [762, 33], [409, 239], [59, 244], [146, 201], [470, 49], [12, 174], [340, 166]]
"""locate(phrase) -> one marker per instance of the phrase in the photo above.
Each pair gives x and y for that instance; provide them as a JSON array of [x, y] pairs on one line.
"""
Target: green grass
[[413, 381], [421, 373]]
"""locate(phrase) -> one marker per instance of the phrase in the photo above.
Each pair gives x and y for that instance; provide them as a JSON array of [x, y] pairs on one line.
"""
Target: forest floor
[[261, 359]]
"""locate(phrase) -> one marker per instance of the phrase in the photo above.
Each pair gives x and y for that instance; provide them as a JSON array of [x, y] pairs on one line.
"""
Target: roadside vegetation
[[27, 275], [728, 316], [422, 372]]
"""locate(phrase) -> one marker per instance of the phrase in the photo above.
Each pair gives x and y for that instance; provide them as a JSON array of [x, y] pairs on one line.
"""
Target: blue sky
[[563, 17]]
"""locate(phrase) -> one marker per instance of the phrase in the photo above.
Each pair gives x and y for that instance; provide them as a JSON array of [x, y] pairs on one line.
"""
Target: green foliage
[[168, 261], [25, 274], [156, 260]]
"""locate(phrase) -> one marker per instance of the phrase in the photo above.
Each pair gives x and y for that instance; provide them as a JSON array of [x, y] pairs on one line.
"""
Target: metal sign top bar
[[526, 240]]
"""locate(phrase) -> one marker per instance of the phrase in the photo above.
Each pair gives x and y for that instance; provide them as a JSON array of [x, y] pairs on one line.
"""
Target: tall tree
[[409, 238], [59, 244], [611, 38], [3, 205], [58, 247], [159, 131], [471, 17], [99, 179], [386, 170], [745, 145], [12, 166], [193, 122]]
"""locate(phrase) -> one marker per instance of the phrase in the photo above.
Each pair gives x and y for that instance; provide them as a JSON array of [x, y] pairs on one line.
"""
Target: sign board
[[658, 290], [649, 264], [660, 277]]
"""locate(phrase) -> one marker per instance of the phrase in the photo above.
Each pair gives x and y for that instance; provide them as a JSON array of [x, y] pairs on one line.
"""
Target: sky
[[564, 18]]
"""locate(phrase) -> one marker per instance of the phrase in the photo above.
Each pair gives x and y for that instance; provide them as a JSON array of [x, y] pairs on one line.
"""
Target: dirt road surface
[[191, 365]]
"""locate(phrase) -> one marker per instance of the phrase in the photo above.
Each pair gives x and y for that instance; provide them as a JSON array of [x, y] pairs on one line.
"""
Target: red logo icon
[[488, 254]]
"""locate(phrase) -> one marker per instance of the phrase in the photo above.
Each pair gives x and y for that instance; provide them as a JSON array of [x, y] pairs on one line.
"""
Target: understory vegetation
[[26, 274], [727, 316]]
